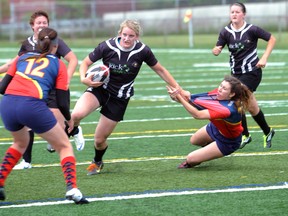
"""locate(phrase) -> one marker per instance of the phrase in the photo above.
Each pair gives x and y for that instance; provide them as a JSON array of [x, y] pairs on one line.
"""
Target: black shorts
[[51, 100], [251, 79], [111, 107]]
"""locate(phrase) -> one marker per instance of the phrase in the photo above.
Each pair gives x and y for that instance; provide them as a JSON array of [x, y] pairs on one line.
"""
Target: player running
[[124, 55], [241, 39]]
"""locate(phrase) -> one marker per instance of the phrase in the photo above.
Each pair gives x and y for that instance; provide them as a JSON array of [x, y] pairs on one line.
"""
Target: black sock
[[260, 119], [27, 156], [244, 125], [99, 154]]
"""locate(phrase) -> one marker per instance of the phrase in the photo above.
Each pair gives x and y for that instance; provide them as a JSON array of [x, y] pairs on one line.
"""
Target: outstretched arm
[[165, 75], [198, 114]]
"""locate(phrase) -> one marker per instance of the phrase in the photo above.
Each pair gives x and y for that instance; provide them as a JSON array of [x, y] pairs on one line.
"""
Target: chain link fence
[[87, 18]]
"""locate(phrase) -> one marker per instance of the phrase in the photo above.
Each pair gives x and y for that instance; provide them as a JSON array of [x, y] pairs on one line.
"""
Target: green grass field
[[140, 176]]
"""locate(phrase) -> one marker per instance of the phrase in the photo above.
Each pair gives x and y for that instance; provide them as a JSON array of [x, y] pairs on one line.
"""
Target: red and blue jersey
[[224, 114], [36, 77]]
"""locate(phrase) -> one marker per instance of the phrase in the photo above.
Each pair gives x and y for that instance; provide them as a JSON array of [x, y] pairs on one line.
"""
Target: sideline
[[234, 189], [193, 191]]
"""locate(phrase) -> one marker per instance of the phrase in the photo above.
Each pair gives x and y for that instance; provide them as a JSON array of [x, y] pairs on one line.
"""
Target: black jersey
[[30, 45], [242, 45], [124, 65]]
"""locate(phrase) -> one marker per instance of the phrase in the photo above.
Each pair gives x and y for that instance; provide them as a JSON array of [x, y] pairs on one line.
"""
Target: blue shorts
[[20, 111], [225, 145]]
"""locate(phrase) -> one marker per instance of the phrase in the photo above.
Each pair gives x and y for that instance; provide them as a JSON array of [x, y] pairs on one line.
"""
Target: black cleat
[[2, 193], [268, 138], [82, 201]]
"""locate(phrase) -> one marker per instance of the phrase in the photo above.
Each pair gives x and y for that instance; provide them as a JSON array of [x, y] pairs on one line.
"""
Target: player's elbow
[[197, 117], [200, 114], [272, 39]]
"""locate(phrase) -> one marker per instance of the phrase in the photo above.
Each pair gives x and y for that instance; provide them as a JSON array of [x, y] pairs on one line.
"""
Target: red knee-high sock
[[69, 170], [11, 157]]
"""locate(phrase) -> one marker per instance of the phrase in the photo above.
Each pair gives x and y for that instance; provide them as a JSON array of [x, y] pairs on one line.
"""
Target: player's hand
[[88, 81], [261, 63], [173, 92], [217, 50], [186, 95], [70, 125]]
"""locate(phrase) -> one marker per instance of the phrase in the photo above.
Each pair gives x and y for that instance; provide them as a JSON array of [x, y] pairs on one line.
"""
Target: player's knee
[[193, 161], [254, 110], [100, 142], [193, 141]]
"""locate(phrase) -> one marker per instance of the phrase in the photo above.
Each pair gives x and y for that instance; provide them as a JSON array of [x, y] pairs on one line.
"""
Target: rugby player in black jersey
[[124, 55], [241, 39], [39, 20]]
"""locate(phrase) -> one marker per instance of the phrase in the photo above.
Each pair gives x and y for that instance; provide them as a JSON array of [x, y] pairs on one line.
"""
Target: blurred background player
[[39, 20], [26, 86], [223, 107], [241, 39], [124, 55]]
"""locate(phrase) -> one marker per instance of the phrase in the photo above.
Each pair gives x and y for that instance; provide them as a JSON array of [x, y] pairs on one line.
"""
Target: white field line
[[161, 194], [226, 65], [153, 195], [145, 159], [164, 119], [8, 141]]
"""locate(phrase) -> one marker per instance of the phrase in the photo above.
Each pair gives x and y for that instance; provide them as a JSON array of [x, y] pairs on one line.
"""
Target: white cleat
[[79, 140], [50, 148], [76, 195], [22, 165]]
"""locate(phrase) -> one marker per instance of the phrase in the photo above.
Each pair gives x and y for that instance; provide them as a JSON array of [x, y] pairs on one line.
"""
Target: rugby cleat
[[50, 148], [268, 138], [184, 165], [79, 139], [95, 168], [245, 141], [22, 165], [2, 193], [76, 195]]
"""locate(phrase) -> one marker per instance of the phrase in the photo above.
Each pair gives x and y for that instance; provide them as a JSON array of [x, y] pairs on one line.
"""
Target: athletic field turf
[[140, 176]]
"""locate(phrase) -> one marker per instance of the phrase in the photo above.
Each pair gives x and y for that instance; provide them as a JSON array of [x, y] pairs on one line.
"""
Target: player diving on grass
[[224, 107]]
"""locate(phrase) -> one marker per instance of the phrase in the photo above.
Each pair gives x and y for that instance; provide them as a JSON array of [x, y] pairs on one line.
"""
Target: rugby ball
[[99, 73]]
